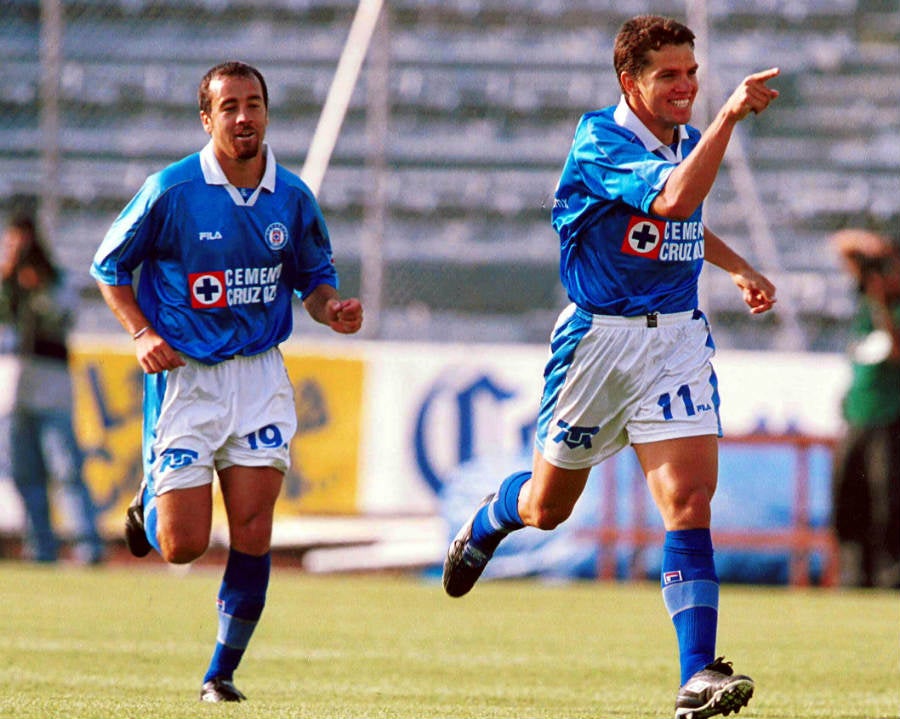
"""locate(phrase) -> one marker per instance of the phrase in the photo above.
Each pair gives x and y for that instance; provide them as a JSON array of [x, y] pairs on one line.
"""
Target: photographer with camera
[[36, 314], [866, 478]]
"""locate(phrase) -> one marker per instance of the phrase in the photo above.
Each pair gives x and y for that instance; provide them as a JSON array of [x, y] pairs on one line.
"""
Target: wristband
[[140, 332]]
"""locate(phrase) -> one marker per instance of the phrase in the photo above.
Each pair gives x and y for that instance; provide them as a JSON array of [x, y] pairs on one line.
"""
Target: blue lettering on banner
[[112, 419], [482, 388]]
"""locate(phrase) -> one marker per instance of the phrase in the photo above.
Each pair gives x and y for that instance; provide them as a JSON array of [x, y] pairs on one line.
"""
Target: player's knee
[[252, 533], [688, 508], [183, 549], [547, 516]]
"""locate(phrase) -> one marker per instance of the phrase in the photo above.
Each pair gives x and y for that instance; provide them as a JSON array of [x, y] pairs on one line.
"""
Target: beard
[[247, 149]]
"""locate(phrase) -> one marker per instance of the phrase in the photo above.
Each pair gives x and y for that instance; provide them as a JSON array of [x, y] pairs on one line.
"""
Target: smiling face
[[662, 95], [236, 120]]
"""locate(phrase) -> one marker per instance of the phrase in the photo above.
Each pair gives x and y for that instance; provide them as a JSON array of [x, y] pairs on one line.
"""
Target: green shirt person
[[866, 477]]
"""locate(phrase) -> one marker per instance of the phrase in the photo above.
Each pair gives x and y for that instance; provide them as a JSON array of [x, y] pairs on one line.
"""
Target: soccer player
[[224, 238], [630, 358]]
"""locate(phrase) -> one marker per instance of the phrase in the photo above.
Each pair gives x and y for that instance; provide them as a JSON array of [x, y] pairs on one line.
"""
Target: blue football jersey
[[616, 257], [218, 265]]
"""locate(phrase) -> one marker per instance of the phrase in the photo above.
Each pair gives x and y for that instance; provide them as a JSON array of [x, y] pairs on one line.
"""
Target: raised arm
[[689, 183]]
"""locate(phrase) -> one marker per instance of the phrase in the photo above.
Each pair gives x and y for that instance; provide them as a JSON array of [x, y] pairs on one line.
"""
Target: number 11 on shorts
[[665, 401]]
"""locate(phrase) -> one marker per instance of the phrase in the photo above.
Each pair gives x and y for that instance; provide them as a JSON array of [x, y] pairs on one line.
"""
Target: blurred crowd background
[[437, 193]]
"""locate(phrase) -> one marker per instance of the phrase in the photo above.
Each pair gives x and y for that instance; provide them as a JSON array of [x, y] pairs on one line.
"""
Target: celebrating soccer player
[[631, 356], [224, 238]]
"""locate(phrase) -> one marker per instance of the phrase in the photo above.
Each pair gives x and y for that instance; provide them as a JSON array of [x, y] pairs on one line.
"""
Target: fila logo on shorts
[[644, 237], [207, 290]]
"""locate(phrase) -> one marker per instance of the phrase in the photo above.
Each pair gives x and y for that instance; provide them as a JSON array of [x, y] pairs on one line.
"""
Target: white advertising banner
[[430, 408], [403, 417], [433, 407]]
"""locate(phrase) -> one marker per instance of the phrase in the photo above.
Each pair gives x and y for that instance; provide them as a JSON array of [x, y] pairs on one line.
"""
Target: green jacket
[[36, 322], [873, 399]]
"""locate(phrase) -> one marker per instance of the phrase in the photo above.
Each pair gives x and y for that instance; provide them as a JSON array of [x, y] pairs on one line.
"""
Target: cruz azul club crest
[[207, 290], [276, 236], [644, 237]]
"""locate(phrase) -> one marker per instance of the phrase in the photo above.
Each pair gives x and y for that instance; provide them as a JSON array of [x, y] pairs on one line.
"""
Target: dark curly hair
[[36, 253], [644, 33]]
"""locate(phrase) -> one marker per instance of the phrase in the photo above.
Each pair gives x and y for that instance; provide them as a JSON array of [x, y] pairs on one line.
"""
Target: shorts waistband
[[654, 319]]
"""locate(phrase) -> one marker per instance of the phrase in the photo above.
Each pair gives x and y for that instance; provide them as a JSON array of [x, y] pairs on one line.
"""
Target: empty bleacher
[[484, 96]]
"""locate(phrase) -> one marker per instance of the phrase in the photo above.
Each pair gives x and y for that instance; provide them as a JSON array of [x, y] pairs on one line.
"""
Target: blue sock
[[150, 518], [242, 597], [500, 516], [690, 589]]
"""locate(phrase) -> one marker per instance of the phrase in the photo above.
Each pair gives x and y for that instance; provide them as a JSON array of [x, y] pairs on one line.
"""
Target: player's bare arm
[[153, 353], [752, 95], [756, 289], [691, 181], [324, 305]]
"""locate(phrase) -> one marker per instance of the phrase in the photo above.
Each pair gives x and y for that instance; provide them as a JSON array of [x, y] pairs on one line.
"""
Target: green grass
[[133, 641]]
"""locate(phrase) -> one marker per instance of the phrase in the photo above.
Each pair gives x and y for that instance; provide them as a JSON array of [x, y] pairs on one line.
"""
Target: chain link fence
[[453, 142]]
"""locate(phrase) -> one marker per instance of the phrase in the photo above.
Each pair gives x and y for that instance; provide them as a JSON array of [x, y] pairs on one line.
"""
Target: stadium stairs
[[484, 96]]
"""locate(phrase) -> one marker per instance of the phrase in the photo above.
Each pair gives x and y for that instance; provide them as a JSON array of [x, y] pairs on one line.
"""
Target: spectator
[[36, 312], [866, 480]]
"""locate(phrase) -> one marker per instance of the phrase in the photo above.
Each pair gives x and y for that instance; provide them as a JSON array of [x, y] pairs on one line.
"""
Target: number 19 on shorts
[[268, 436]]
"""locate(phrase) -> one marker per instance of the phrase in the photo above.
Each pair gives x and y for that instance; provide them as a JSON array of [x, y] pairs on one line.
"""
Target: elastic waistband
[[239, 357], [649, 320]]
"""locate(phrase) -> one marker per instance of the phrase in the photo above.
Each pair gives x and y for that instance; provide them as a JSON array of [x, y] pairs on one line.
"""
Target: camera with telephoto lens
[[869, 266]]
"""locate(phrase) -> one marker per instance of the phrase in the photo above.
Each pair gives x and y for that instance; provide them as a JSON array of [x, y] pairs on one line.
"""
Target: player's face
[[663, 95], [237, 118]]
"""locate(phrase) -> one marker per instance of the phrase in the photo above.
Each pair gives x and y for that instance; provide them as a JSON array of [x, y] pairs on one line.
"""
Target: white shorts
[[614, 381], [203, 417]]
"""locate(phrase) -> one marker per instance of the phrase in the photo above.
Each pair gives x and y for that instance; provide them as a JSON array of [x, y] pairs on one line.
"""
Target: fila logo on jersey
[[672, 577], [208, 236]]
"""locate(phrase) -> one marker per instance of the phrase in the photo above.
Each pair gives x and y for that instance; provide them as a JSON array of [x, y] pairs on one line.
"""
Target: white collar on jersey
[[213, 174], [625, 117]]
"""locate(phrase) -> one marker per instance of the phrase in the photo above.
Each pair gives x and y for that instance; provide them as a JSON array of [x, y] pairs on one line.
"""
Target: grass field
[[132, 641]]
